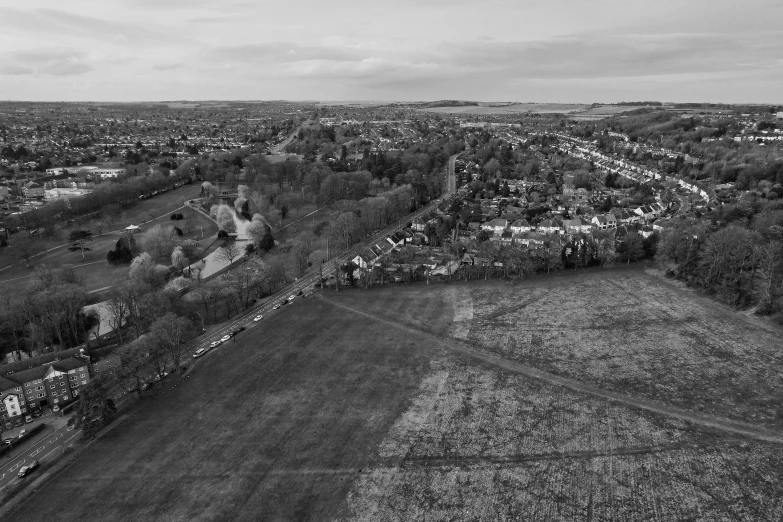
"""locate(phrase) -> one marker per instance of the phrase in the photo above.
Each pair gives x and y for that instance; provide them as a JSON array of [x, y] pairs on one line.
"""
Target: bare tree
[[25, 249], [172, 333], [229, 252], [117, 305], [99, 226]]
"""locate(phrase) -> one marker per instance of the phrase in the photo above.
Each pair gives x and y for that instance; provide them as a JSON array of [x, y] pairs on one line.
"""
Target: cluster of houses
[[521, 231], [582, 149]]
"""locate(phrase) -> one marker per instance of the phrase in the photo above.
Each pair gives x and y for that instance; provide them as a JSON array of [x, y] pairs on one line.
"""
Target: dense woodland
[[735, 252]]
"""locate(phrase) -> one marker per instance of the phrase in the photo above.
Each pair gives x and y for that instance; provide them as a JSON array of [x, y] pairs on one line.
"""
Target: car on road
[[258, 318], [214, 343], [276, 306], [21, 434], [198, 353], [225, 338], [28, 419], [24, 470]]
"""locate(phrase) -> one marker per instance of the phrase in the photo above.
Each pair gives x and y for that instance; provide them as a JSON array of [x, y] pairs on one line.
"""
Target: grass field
[[357, 406], [626, 331], [139, 212], [93, 268]]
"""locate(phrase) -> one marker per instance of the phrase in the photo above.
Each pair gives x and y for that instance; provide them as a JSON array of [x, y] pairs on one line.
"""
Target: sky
[[566, 51]]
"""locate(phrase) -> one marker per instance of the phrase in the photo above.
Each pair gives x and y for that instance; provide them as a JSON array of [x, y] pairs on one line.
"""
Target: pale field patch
[[478, 444], [634, 333]]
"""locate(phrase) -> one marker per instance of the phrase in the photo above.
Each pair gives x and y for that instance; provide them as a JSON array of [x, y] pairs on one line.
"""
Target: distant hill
[[449, 103]]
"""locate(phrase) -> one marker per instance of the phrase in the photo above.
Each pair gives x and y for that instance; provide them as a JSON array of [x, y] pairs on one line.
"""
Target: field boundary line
[[456, 345]]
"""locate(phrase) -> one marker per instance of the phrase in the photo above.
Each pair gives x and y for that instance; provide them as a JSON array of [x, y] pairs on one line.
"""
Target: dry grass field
[[410, 403]]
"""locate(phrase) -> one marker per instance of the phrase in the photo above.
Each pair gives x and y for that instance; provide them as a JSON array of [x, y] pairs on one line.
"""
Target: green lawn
[[273, 427]]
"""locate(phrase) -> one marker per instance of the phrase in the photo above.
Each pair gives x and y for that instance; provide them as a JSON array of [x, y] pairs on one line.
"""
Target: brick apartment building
[[49, 382]]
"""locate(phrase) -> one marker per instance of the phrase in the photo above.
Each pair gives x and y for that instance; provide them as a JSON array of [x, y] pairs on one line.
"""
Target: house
[[520, 226], [549, 226], [604, 221], [396, 239], [504, 237], [33, 190], [529, 239], [577, 226], [418, 224], [496, 226]]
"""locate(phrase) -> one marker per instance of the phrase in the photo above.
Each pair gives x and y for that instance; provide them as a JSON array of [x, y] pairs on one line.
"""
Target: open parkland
[[581, 396]]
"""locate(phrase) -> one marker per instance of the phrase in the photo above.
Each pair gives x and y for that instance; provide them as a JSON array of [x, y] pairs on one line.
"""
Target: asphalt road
[[265, 308], [49, 447]]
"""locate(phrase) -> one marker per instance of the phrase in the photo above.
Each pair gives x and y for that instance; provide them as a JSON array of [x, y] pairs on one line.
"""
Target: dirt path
[[455, 345]]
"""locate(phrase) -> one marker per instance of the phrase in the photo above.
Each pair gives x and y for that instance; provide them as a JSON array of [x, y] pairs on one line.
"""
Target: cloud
[[15, 70], [55, 62], [167, 66]]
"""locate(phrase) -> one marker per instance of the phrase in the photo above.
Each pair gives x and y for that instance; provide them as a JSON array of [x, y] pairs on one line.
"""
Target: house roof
[[33, 362], [7, 384]]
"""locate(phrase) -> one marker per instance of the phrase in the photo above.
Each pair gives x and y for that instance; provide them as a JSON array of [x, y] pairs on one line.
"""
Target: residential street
[[49, 447]]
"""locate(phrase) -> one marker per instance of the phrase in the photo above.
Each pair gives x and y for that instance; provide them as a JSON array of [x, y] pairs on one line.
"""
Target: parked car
[[291, 297], [198, 353], [225, 338], [214, 343], [8, 441], [21, 434], [28, 419], [240, 329], [18, 422], [276, 306], [299, 293], [24, 470], [258, 318], [36, 413], [55, 408]]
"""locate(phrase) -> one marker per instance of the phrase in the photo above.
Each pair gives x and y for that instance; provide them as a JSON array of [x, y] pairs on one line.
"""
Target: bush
[[222, 234], [177, 216], [121, 255], [178, 231]]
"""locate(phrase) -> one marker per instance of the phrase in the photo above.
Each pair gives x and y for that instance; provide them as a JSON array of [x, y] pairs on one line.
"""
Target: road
[[49, 447], [265, 308], [280, 147]]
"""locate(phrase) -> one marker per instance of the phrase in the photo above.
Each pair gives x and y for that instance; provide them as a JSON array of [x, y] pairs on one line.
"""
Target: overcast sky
[[487, 50]]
